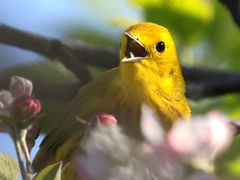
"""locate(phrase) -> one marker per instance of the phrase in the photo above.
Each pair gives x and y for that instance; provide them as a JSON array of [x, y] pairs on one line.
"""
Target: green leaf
[[52, 172], [9, 169]]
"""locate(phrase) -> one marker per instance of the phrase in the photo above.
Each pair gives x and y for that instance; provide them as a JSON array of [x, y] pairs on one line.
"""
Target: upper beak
[[135, 51]]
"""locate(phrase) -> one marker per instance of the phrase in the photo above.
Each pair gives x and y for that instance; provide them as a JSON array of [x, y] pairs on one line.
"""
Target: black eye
[[160, 46]]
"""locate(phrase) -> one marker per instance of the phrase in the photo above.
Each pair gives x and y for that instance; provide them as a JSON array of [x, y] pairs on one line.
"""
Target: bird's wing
[[95, 97]]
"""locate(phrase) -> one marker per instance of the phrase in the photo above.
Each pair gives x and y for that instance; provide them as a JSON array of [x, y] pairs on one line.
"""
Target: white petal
[[20, 86], [1, 105], [6, 99], [202, 136], [105, 148], [150, 126], [220, 131]]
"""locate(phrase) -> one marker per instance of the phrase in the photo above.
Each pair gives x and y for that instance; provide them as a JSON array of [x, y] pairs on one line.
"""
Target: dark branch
[[202, 83], [194, 74], [213, 87]]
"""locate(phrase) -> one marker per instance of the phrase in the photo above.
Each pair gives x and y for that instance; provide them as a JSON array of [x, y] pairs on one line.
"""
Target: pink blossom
[[197, 141], [201, 136], [18, 101], [186, 152]]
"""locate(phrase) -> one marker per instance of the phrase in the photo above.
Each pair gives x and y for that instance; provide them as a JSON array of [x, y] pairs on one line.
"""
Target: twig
[[20, 160], [17, 144], [24, 147]]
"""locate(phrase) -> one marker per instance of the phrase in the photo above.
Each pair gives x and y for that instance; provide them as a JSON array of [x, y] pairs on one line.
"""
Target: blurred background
[[204, 31]]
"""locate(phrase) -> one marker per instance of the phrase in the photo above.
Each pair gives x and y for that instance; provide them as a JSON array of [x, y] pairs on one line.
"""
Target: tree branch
[[200, 82], [196, 75], [213, 87]]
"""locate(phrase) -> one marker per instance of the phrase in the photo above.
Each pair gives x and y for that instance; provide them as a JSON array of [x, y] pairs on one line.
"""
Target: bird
[[148, 73]]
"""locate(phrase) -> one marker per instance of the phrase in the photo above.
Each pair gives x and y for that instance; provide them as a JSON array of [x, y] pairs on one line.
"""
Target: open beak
[[135, 51]]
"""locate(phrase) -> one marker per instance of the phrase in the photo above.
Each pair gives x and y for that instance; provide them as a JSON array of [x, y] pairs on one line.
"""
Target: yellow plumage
[[149, 72]]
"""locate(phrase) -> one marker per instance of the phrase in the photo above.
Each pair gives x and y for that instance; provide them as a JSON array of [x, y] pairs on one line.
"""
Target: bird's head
[[147, 45]]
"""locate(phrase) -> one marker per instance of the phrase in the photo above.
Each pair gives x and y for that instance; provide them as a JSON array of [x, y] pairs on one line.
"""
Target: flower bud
[[25, 107]]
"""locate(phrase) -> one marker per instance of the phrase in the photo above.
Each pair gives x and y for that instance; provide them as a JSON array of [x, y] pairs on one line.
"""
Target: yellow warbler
[[149, 73]]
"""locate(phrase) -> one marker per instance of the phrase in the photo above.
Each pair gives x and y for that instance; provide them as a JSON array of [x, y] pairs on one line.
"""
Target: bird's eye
[[160, 46]]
